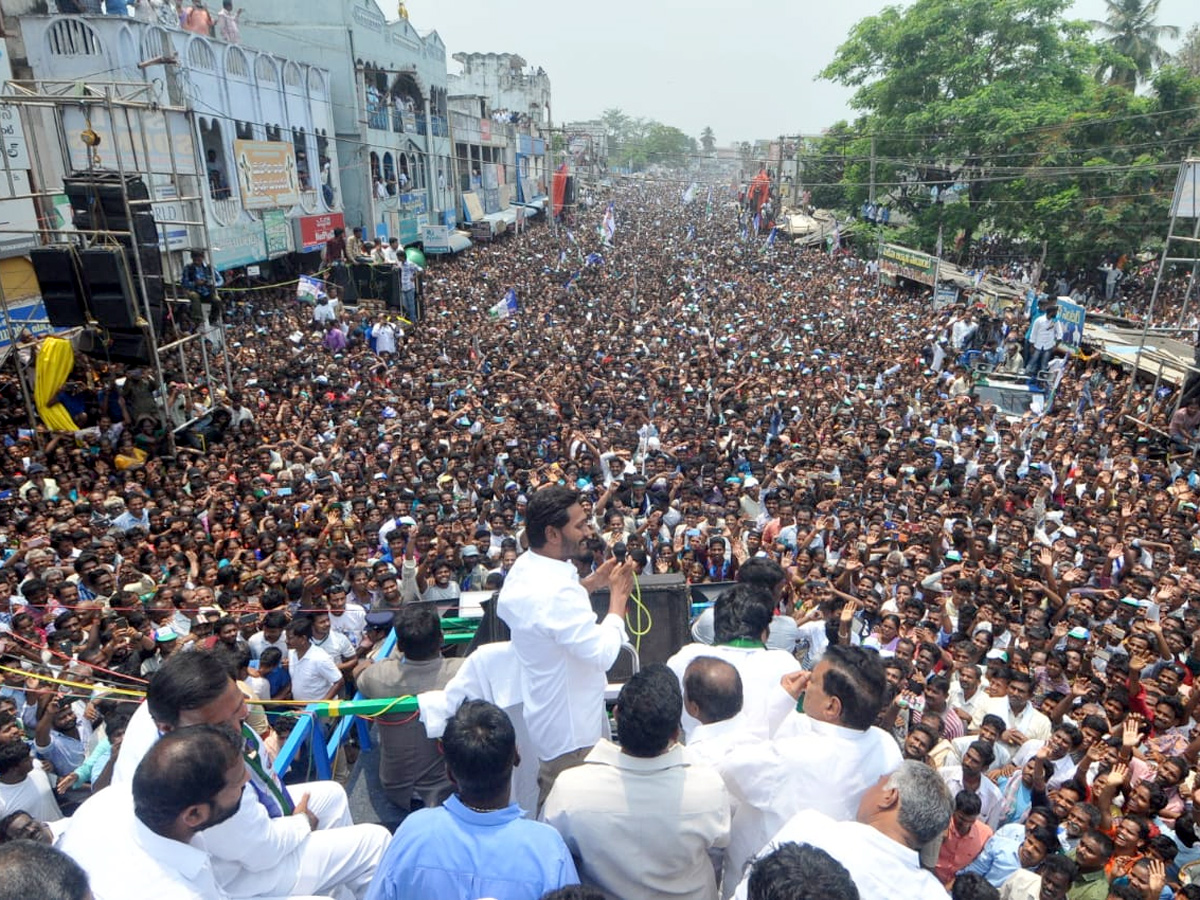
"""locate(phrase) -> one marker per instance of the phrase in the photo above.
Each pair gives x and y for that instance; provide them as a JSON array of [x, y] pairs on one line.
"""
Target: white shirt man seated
[[140, 841], [896, 817], [272, 845], [824, 759]]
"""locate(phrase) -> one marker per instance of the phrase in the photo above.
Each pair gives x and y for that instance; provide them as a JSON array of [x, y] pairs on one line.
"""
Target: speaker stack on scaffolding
[[95, 284]]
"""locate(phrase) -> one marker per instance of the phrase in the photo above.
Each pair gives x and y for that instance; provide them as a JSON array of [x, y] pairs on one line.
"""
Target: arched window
[[236, 64], [266, 73], [73, 37], [200, 55], [389, 174], [215, 164]]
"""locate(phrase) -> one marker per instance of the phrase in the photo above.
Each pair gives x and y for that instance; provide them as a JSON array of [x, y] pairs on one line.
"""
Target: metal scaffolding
[[127, 133]]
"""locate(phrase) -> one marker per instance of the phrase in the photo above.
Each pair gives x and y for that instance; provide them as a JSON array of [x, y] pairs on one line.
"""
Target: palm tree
[[1131, 41], [707, 139]]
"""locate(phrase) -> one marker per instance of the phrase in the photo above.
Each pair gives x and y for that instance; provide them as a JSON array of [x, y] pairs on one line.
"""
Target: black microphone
[[619, 551]]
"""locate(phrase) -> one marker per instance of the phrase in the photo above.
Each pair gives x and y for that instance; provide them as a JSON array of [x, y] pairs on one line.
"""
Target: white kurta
[[564, 654], [642, 828], [764, 701], [879, 866], [810, 765]]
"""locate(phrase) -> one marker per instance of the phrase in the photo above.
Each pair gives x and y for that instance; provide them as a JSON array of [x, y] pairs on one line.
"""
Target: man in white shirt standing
[[315, 676], [642, 818], [823, 759], [1022, 722], [896, 817], [564, 654], [1043, 338]]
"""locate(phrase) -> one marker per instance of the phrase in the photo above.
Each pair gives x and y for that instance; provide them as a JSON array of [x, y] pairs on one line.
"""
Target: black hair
[[185, 681], [480, 747], [648, 711], [1124, 891], [973, 886], [800, 872], [31, 869], [418, 631], [715, 686], [996, 722], [762, 571], [12, 755], [743, 611], [271, 656], [547, 508], [576, 892], [856, 678], [276, 618], [967, 803], [302, 626], [1061, 864], [185, 767]]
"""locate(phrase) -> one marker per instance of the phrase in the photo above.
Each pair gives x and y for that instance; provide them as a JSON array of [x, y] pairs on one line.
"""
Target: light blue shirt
[[456, 853], [998, 859]]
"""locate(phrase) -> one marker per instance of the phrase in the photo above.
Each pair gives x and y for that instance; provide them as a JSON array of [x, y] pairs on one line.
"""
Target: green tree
[[1188, 55], [957, 94], [616, 123], [1130, 47], [707, 140]]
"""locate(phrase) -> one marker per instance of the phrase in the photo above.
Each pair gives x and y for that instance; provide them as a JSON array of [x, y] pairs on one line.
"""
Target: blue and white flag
[[690, 194], [608, 227], [308, 286], [771, 236], [506, 307], [691, 232], [594, 259]]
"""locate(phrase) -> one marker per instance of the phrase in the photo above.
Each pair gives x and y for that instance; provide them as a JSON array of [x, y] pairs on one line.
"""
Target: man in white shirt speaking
[[564, 654]]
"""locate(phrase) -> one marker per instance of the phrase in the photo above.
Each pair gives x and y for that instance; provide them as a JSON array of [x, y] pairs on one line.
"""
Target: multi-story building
[[388, 92], [252, 135], [516, 90]]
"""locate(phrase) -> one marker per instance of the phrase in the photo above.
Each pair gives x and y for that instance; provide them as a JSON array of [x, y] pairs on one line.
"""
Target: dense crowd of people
[[952, 655]]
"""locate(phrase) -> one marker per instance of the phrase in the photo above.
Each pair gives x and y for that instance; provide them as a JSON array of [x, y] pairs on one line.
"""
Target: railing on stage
[[455, 631]]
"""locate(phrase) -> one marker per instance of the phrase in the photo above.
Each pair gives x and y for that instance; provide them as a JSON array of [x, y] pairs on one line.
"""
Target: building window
[[236, 64], [265, 72], [378, 190], [389, 173], [303, 171], [200, 55], [274, 133], [291, 75], [72, 37], [244, 130], [215, 163]]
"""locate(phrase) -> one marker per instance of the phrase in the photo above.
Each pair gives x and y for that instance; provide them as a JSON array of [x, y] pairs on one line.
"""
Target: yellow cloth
[[55, 360]]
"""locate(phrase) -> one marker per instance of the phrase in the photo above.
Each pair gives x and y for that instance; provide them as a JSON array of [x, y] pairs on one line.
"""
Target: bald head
[[712, 690]]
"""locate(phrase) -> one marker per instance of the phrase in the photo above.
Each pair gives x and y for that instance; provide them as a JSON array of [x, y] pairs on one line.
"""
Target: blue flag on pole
[[506, 307]]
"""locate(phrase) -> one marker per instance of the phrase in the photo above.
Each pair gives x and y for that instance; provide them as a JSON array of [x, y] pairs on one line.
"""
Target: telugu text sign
[[906, 263], [266, 173]]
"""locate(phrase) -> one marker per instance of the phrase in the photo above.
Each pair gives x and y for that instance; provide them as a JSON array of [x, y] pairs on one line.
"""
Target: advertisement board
[[266, 173], [906, 263], [316, 230], [1071, 317], [276, 233], [238, 245], [167, 208], [436, 238]]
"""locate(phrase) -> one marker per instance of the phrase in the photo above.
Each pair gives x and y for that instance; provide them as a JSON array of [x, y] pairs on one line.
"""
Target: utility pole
[[871, 195]]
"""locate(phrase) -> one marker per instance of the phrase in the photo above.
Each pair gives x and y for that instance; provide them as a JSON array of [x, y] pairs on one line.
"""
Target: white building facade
[[249, 113], [389, 100]]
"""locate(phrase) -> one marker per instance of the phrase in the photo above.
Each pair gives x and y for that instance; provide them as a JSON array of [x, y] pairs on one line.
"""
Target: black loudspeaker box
[[666, 619], [108, 282], [58, 279]]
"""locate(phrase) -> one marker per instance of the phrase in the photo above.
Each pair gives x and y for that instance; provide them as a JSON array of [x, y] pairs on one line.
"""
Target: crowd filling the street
[[950, 652]]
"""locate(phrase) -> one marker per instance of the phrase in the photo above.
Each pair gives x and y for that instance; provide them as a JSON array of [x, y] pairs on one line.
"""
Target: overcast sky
[[744, 68]]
